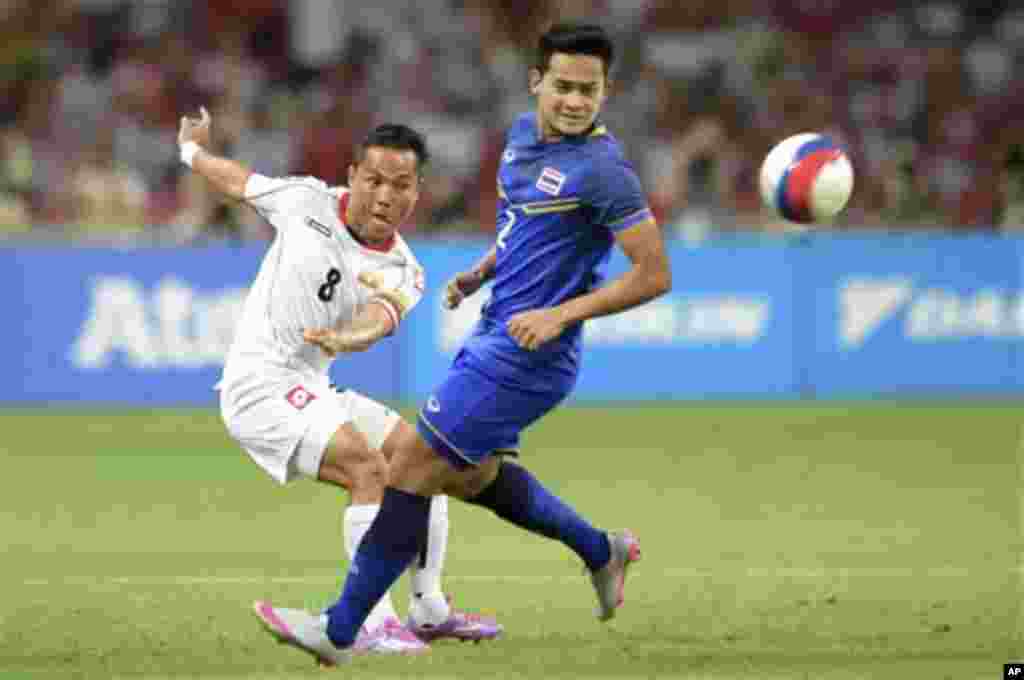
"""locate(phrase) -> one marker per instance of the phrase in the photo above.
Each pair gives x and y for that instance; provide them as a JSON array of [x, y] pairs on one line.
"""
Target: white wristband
[[188, 152]]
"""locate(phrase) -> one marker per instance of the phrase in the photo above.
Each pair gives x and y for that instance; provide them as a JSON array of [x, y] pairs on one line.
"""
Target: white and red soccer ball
[[806, 178]]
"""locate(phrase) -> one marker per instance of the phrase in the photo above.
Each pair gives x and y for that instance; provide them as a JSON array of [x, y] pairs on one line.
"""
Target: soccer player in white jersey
[[336, 279]]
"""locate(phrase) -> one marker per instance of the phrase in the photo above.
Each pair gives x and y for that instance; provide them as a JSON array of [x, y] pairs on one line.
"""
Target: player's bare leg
[[417, 472], [432, 616], [479, 485], [350, 463]]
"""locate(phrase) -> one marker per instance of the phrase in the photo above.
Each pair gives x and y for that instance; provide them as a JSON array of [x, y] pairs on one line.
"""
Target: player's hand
[[334, 342], [375, 282], [461, 287], [195, 129], [536, 327]]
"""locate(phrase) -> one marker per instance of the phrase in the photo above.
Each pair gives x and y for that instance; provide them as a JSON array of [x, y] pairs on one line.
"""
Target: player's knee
[[402, 436], [367, 472], [350, 462], [375, 473], [468, 484], [415, 467]]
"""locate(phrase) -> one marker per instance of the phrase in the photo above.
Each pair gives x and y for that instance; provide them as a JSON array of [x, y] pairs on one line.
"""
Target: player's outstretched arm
[[468, 282], [227, 176], [648, 276], [373, 321]]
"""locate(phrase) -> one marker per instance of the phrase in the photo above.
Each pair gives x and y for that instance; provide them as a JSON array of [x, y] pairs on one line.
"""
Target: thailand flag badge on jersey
[[550, 181]]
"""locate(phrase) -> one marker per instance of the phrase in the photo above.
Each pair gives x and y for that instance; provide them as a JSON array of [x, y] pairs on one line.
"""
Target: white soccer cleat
[[610, 580], [302, 630]]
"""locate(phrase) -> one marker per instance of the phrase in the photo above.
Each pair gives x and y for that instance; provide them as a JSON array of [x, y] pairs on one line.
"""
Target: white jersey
[[308, 278]]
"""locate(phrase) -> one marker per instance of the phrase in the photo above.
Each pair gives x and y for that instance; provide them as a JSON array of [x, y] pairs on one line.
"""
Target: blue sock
[[516, 496], [394, 539]]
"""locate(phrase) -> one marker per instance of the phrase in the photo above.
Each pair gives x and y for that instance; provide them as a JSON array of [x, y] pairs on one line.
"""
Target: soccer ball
[[806, 178]]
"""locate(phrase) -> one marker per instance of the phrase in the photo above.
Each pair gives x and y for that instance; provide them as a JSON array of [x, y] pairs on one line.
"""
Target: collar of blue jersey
[[596, 130]]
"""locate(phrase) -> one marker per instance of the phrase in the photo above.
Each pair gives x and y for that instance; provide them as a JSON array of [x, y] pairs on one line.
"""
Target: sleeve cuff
[[631, 219], [257, 185], [188, 152]]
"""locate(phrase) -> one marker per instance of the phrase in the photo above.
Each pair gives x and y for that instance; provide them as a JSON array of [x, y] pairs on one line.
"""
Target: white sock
[[427, 604], [358, 519]]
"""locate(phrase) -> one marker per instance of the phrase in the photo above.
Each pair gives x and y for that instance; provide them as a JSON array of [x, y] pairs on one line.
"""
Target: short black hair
[[394, 136], [575, 38]]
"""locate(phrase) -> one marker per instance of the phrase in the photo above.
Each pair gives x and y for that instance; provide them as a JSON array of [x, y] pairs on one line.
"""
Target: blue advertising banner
[[142, 326], [825, 317], [725, 330], [913, 315], [13, 340]]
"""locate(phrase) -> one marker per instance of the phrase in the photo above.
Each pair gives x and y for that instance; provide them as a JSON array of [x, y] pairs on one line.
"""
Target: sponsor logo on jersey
[[550, 181], [317, 226], [299, 397]]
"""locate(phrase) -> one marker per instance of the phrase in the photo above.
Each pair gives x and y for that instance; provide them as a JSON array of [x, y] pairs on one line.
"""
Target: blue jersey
[[560, 204]]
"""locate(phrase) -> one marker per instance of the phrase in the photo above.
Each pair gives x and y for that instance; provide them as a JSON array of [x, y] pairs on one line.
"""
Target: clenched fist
[[461, 287]]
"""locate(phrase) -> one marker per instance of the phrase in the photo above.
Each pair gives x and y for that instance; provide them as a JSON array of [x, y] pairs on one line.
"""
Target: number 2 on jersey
[[326, 291]]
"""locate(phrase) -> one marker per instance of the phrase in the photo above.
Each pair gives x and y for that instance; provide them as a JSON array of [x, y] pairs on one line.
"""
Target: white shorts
[[285, 423]]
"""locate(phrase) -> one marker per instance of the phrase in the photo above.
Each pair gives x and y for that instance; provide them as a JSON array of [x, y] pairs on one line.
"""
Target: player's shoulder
[[601, 146], [402, 248], [309, 183], [595, 161], [523, 129], [410, 262], [297, 183]]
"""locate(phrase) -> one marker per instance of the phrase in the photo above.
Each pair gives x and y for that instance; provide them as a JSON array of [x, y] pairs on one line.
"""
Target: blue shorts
[[472, 415]]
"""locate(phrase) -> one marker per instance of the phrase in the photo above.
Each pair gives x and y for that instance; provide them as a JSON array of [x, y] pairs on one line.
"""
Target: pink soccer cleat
[[610, 580], [459, 625], [390, 637]]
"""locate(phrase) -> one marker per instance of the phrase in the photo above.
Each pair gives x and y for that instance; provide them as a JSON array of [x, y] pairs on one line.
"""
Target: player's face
[[384, 189], [569, 94]]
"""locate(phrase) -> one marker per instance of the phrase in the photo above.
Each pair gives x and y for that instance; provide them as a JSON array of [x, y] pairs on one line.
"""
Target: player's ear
[[535, 78], [351, 174]]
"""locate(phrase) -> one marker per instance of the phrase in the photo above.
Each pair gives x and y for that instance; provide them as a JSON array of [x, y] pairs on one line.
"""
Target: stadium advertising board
[[821, 317], [140, 327], [914, 315]]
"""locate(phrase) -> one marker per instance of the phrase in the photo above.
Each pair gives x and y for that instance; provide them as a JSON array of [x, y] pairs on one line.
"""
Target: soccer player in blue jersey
[[567, 196]]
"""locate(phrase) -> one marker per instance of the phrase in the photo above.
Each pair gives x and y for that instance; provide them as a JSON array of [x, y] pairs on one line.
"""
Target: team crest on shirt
[[550, 181], [508, 156], [299, 397]]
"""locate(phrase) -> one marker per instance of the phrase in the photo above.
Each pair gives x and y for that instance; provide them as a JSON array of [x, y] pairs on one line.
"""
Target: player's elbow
[[234, 187], [236, 192]]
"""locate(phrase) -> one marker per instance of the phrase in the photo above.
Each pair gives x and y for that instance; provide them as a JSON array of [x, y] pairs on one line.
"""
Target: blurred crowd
[[924, 95]]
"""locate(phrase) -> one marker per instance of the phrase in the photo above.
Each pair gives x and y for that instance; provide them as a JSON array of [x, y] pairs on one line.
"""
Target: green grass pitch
[[788, 540]]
